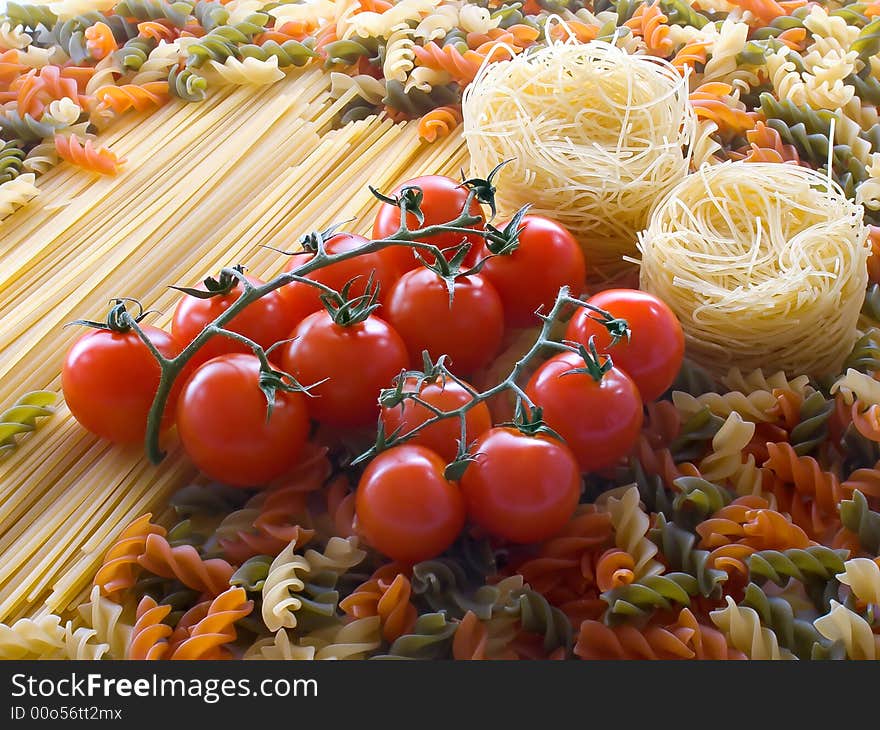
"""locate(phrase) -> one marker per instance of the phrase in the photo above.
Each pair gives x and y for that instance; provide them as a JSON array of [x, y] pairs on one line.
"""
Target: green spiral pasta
[[187, 85], [30, 16], [208, 499], [347, 52], [415, 102], [169, 592], [24, 417], [858, 452], [867, 86], [537, 616], [695, 434], [853, 14], [865, 355], [11, 158], [697, 499], [797, 635], [251, 574], [183, 533], [815, 567], [677, 547], [782, 24], [178, 13], [682, 13], [69, 35], [223, 41], [859, 519], [210, 14], [648, 594], [134, 52], [652, 491], [812, 427], [289, 53], [319, 599], [511, 14], [692, 379], [441, 585], [868, 42], [431, 638]]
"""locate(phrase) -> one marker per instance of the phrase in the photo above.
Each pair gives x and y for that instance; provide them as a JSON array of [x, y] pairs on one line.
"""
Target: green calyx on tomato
[[409, 200], [119, 319], [529, 421], [347, 310], [219, 287], [483, 188], [507, 238], [594, 365]]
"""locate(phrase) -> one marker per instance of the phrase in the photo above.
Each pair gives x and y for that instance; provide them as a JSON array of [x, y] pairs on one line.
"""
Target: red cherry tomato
[[304, 299], [444, 199], [266, 321], [110, 378], [357, 362], [405, 507], [521, 488], [469, 331], [655, 351], [599, 421], [221, 419], [441, 437], [547, 258]]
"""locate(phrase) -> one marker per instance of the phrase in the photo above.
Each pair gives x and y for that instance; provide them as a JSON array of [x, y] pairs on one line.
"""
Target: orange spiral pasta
[[374, 6], [726, 525], [38, 89], [292, 30], [462, 67], [767, 529], [387, 598], [662, 423], [714, 101], [184, 563], [614, 569], [806, 475], [766, 11], [159, 30], [120, 568], [129, 96], [340, 507], [765, 145], [564, 569], [439, 123], [100, 41], [788, 407], [659, 462], [649, 22], [685, 639], [874, 258], [10, 68], [867, 481], [87, 156], [689, 56], [583, 32], [471, 641], [149, 639], [867, 422], [205, 638]]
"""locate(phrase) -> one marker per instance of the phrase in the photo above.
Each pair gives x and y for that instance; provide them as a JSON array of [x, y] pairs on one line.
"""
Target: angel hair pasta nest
[[763, 263], [594, 133]]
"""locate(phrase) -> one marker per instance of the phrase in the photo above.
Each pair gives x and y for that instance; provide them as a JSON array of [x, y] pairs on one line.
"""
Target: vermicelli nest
[[763, 263], [594, 133]]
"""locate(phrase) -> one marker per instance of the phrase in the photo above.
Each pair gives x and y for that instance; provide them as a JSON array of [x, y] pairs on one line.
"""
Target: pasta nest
[[594, 134], [764, 264]]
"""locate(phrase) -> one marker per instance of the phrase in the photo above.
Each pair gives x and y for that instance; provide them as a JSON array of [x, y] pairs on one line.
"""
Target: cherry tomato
[[357, 362], [599, 421], [441, 437], [469, 331], [405, 507], [444, 199], [304, 299], [655, 351], [266, 321], [221, 419], [547, 258], [110, 379], [521, 488]]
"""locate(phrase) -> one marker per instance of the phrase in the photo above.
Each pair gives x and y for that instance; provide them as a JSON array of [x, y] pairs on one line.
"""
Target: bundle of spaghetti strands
[[763, 263], [594, 134]]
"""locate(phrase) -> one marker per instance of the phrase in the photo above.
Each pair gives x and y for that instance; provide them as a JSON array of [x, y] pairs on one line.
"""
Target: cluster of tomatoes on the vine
[[517, 482]]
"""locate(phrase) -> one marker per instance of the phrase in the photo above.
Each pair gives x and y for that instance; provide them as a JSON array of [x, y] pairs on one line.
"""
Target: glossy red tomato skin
[[444, 199], [521, 488], [599, 422], [266, 321], [221, 420], [110, 378], [405, 507], [357, 361], [303, 299], [547, 258], [469, 331], [655, 351], [441, 437]]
